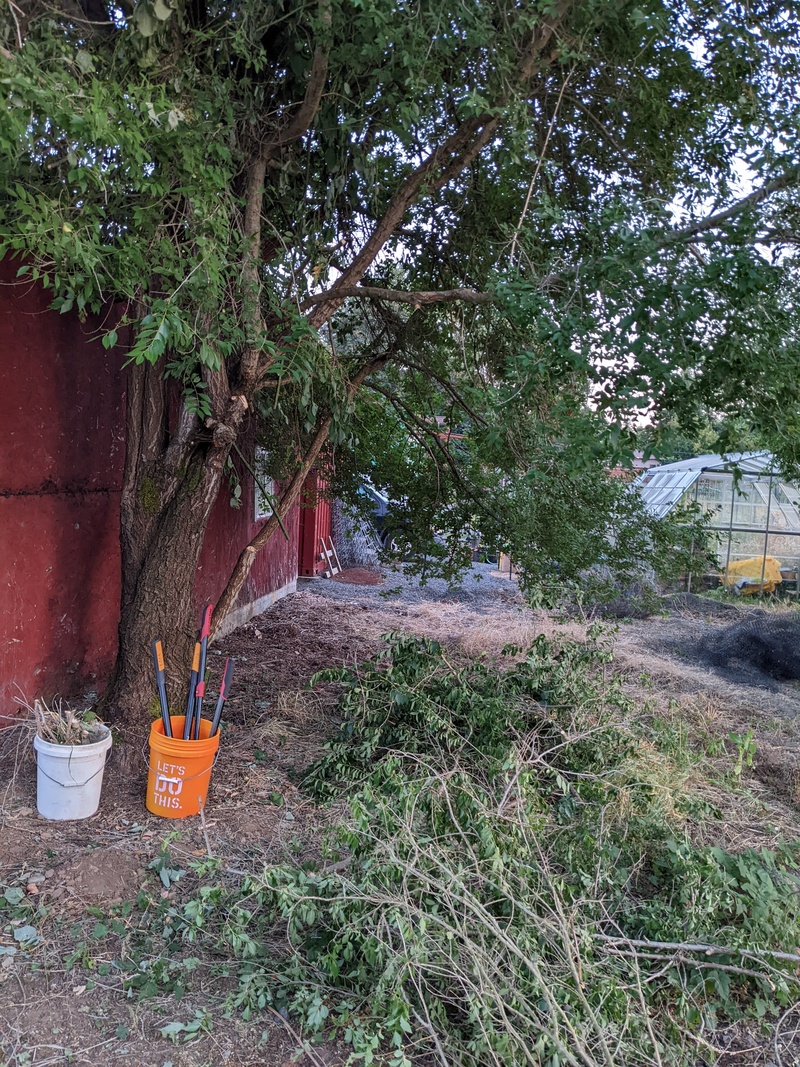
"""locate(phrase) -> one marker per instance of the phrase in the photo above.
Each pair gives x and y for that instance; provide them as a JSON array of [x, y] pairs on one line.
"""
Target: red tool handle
[[205, 633]]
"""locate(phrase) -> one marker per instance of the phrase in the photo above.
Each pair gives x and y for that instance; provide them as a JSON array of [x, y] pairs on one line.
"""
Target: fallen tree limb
[[708, 950]]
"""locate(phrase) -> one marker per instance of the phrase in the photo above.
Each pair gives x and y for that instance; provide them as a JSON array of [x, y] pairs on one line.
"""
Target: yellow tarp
[[745, 575]]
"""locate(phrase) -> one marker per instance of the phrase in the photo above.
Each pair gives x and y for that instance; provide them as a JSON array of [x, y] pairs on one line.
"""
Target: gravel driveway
[[480, 587]]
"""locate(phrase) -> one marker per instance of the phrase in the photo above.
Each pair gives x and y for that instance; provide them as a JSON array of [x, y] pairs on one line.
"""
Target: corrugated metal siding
[[315, 525], [60, 478]]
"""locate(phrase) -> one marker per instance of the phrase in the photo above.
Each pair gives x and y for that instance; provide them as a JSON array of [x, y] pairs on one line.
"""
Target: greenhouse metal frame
[[754, 511]]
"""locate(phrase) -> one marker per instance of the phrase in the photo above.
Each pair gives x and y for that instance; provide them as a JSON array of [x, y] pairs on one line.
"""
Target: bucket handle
[[73, 784]]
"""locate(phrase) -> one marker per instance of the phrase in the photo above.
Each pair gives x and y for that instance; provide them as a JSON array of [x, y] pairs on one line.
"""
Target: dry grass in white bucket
[[62, 725]]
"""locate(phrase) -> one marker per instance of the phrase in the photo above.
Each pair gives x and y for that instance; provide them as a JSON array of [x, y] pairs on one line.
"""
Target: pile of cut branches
[[62, 725], [515, 882]]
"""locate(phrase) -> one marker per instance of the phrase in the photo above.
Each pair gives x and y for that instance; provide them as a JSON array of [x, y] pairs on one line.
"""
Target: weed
[[745, 748], [196, 1027]]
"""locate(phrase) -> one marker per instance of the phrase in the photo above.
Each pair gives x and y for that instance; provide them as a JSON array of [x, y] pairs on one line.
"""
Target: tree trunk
[[170, 484], [161, 603]]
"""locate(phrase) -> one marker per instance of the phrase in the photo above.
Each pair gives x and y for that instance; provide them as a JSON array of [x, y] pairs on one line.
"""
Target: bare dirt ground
[[63, 995]]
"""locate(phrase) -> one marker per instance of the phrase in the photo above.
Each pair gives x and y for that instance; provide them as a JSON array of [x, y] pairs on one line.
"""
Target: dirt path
[[63, 992]]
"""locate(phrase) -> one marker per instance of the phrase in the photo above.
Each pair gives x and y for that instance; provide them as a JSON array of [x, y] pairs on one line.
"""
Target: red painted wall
[[60, 470], [61, 461], [229, 530], [315, 524]]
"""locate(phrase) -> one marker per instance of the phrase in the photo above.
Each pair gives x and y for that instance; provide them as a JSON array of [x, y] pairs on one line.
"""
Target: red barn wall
[[274, 572], [61, 465], [315, 525], [60, 474]]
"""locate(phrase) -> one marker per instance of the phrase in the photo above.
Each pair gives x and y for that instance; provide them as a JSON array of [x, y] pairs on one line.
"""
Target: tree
[[505, 207], [669, 440]]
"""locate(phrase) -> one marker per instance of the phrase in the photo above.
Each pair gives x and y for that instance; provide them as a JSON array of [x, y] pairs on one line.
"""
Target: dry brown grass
[[518, 630], [477, 633], [295, 724], [299, 707]]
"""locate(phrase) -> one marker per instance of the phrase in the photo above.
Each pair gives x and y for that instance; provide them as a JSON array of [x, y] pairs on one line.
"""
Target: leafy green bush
[[511, 885]]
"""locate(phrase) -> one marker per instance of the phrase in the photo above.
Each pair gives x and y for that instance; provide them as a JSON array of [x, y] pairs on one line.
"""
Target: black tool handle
[[158, 662], [224, 689]]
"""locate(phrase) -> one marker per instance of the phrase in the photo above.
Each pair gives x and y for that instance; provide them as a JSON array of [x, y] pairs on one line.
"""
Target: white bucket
[[69, 777]]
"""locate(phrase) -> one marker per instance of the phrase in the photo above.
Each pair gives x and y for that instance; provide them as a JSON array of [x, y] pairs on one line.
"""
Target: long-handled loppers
[[187, 724], [200, 690], [224, 689], [158, 661]]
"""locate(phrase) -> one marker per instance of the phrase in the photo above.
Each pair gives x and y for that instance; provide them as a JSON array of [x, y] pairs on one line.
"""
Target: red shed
[[315, 526], [60, 478]]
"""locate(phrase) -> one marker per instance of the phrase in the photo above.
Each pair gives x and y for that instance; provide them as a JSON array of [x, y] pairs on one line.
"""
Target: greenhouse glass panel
[[753, 513]]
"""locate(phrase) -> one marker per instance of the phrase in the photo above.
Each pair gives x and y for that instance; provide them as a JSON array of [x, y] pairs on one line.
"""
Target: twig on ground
[[304, 1045], [777, 1032], [204, 828]]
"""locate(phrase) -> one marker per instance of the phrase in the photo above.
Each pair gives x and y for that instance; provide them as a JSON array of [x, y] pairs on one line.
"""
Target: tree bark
[[171, 481]]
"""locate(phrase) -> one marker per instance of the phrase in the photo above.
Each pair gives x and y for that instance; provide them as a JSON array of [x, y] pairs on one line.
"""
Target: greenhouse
[[754, 514]]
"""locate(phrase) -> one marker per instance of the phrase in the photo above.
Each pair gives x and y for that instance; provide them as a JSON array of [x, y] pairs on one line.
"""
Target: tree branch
[[397, 296], [695, 229], [312, 98], [245, 562], [405, 196], [712, 222], [408, 416], [705, 949], [449, 159], [448, 387], [253, 362]]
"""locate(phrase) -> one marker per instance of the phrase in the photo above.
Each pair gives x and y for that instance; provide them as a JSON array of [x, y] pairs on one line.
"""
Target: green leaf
[[26, 935], [85, 61], [144, 19], [172, 1030]]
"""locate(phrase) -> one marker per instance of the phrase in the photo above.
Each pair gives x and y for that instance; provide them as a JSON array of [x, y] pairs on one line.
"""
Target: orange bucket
[[179, 773]]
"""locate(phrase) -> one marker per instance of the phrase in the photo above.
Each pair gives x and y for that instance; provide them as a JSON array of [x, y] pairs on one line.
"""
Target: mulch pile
[[359, 576]]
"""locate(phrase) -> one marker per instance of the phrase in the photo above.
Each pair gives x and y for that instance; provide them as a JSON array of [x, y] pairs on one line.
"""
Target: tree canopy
[[330, 222]]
